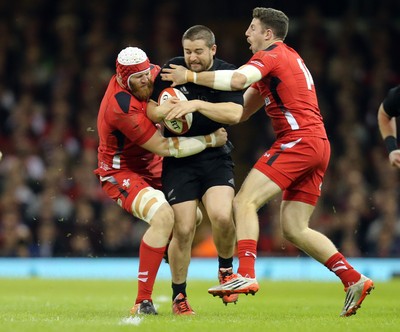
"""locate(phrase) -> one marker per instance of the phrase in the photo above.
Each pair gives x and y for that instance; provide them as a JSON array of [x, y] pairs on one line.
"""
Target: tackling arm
[[184, 146], [226, 80]]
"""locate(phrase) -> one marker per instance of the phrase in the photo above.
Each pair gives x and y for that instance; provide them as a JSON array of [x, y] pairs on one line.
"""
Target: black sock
[[225, 262], [178, 288]]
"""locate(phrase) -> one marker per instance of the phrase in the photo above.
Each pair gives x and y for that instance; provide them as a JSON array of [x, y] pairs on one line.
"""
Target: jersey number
[[306, 72], [310, 82]]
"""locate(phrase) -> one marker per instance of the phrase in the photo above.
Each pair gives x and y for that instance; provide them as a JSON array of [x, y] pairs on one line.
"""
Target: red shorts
[[123, 186], [297, 166]]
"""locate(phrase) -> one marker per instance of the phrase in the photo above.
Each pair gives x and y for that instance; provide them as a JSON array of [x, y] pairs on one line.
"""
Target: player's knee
[[222, 221], [241, 202], [292, 234], [184, 231], [163, 218], [288, 234], [151, 206]]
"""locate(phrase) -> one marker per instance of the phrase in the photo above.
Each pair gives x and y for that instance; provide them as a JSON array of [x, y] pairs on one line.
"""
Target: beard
[[143, 93]]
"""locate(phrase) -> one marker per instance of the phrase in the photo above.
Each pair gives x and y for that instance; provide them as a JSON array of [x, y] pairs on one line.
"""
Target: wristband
[[391, 143]]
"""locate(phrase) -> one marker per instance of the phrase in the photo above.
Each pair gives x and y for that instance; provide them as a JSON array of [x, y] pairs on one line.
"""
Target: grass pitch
[[38, 305]]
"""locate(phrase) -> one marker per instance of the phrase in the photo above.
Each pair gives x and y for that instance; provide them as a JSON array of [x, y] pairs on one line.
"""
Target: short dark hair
[[273, 19], [200, 32]]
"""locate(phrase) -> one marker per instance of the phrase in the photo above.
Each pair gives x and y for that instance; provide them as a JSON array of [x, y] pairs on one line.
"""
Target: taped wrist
[[391, 143], [210, 140], [191, 76], [186, 146]]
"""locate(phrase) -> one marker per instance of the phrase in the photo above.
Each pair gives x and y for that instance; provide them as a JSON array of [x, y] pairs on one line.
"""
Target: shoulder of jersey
[[221, 64]]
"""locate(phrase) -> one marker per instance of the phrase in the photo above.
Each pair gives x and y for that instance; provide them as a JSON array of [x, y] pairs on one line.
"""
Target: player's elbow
[[245, 115], [162, 149], [382, 115], [236, 115], [238, 81], [244, 118]]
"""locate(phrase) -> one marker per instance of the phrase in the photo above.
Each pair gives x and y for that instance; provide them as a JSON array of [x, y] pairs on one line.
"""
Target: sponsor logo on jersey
[[256, 63]]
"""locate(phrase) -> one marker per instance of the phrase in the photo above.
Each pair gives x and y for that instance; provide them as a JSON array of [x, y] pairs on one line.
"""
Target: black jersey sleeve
[[391, 103]]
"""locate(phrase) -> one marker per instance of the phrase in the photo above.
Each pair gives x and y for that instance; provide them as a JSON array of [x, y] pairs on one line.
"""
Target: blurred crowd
[[56, 58]]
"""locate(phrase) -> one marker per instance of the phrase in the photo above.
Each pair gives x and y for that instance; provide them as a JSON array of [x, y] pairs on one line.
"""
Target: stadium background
[[56, 58]]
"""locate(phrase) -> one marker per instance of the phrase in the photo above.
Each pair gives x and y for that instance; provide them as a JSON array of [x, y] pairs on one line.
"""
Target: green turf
[[74, 305]]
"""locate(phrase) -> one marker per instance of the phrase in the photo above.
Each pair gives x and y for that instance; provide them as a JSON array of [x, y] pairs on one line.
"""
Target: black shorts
[[186, 180]]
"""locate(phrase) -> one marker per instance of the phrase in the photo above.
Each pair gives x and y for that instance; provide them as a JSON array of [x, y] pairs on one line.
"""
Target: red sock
[[339, 265], [149, 262], [247, 254]]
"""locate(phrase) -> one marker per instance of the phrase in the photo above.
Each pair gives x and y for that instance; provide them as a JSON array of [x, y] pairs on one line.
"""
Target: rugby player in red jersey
[[130, 157], [277, 78]]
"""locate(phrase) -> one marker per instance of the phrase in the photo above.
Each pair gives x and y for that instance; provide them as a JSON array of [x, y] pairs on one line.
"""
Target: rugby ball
[[177, 126]]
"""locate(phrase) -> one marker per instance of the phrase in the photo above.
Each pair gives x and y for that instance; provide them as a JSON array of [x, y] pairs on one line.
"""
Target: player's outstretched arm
[[226, 80], [179, 147]]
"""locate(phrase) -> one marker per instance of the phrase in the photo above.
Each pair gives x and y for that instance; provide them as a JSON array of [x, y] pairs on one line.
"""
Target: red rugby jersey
[[122, 126], [288, 91]]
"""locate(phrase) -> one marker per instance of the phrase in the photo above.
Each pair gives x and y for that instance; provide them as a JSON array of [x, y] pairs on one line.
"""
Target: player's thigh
[[257, 189], [180, 182], [218, 203]]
